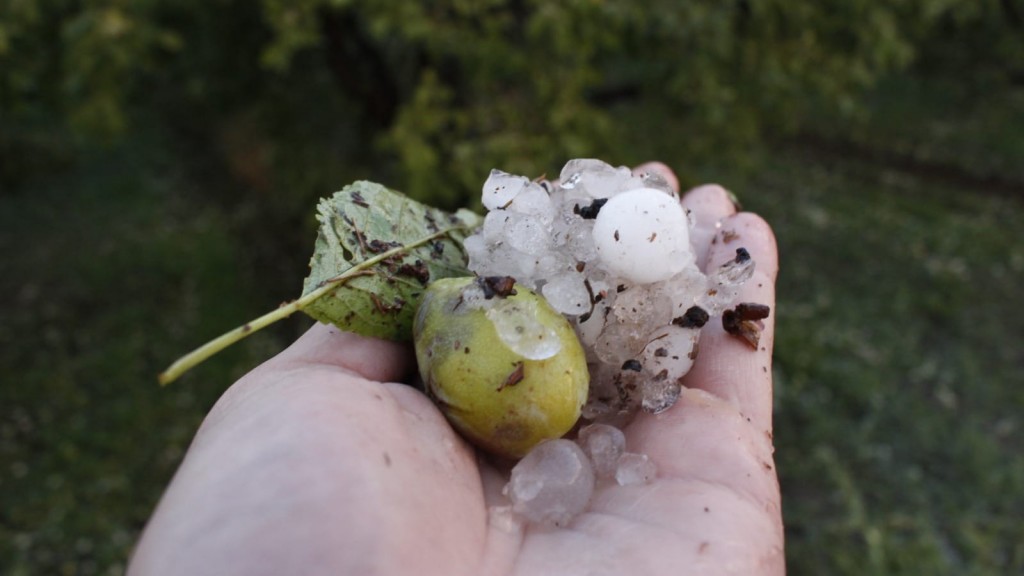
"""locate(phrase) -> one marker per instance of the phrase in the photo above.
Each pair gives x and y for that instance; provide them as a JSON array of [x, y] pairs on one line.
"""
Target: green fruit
[[507, 371]]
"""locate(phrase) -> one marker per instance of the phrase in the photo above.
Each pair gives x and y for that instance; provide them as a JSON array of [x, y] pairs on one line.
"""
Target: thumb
[[370, 358]]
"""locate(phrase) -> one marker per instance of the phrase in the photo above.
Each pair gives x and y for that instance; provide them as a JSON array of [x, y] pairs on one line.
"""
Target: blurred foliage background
[[159, 164]]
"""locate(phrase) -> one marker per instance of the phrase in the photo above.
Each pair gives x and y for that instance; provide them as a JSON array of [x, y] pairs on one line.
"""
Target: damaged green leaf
[[375, 253], [364, 221]]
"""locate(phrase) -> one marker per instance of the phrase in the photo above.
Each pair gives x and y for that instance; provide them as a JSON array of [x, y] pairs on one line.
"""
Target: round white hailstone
[[567, 294], [603, 444], [552, 484], [643, 236], [670, 350], [634, 469], [501, 188]]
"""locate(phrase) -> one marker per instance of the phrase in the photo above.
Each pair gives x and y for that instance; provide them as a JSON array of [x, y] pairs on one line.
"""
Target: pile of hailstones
[[611, 251]]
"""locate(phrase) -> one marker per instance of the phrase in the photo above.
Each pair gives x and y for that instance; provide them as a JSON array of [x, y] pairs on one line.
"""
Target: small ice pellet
[[501, 188], [724, 284], [495, 224], [534, 201], [552, 484], [476, 249], [567, 293], [671, 350], [604, 445], [634, 469], [528, 235], [643, 236], [659, 394]]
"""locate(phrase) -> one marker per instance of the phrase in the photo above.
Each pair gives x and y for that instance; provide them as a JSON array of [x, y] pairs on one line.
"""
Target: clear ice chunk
[[635, 469], [603, 444], [724, 284], [642, 306], [515, 321], [671, 351], [598, 179], [552, 484], [581, 166], [659, 394], [619, 342], [651, 179]]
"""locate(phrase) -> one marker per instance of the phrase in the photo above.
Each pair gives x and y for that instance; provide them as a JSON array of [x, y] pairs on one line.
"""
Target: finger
[[720, 486], [726, 365], [707, 205], [370, 358]]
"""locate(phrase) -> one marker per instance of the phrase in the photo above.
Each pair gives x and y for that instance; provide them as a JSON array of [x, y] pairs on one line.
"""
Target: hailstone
[[643, 236]]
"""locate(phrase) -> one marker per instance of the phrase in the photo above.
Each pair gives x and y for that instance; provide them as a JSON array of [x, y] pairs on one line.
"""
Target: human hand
[[319, 461]]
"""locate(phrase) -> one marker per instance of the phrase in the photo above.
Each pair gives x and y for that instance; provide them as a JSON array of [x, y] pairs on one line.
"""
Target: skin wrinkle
[[218, 475], [340, 413], [622, 555], [675, 459]]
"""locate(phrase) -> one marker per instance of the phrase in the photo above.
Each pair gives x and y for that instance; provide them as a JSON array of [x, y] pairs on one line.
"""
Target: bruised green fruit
[[504, 367]]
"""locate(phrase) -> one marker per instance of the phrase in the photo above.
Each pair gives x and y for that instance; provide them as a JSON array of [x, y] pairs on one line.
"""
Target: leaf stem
[[197, 356]]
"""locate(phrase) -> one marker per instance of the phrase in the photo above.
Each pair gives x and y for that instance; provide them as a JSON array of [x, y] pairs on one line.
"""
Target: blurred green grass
[[898, 357], [898, 369], [108, 272]]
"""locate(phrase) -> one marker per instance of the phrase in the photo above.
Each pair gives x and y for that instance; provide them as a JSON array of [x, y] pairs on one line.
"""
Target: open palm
[[318, 462]]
